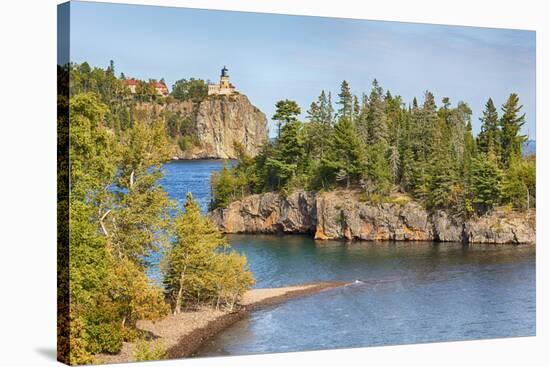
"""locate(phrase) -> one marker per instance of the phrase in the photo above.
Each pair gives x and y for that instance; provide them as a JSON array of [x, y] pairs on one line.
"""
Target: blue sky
[[272, 57]]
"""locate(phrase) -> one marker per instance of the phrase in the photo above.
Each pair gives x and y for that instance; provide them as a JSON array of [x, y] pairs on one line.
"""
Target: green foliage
[[224, 185], [119, 215], [286, 112], [519, 183], [103, 337], [381, 147], [486, 182], [200, 266], [346, 158], [345, 100], [178, 125], [149, 351], [510, 123], [193, 89], [285, 164], [489, 138]]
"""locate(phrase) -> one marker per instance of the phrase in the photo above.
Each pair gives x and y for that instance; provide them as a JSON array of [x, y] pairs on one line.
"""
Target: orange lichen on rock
[[320, 234]]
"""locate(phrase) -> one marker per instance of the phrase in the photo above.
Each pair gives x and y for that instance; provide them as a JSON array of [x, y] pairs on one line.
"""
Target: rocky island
[[341, 214]]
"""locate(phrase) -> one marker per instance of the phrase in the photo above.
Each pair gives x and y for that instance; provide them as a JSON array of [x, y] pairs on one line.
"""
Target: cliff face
[[216, 124], [340, 215], [222, 121]]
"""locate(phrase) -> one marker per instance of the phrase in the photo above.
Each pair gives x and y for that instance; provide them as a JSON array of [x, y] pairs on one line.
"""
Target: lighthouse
[[224, 87]]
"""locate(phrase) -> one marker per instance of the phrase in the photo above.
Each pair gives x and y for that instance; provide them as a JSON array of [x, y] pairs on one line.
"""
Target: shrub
[[149, 351], [185, 142], [104, 338]]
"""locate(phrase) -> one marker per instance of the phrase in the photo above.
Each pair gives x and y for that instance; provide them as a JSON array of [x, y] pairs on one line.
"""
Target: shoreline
[[184, 334], [342, 214]]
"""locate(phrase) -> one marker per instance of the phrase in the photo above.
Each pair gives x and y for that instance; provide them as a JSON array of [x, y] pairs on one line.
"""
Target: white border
[[27, 201]]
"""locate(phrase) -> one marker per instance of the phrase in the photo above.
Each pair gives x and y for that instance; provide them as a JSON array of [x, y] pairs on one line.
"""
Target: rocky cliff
[[222, 121], [342, 215], [215, 125]]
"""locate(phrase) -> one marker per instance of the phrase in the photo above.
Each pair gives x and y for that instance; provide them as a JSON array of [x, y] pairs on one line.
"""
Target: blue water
[[181, 177], [408, 292]]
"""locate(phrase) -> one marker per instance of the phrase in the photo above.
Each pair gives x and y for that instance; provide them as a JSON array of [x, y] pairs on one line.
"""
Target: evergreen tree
[[313, 114], [488, 140], [470, 153], [510, 124], [356, 110], [284, 164], [486, 182], [346, 158], [379, 173], [377, 119], [442, 173], [286, 112], [345, 100]]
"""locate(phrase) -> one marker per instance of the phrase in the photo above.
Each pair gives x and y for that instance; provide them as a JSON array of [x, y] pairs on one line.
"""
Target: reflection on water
[[409, 292]]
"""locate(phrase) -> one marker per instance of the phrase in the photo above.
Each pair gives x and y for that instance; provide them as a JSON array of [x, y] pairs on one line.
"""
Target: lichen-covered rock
[[268, 213], [502, 227], [341, 214], [446, 228]]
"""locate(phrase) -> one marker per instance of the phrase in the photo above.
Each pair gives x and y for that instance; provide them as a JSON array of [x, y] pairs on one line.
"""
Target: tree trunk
[[132, 179], [177, 307]]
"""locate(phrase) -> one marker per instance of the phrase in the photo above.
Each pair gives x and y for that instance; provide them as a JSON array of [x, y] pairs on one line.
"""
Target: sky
[[272, 57]]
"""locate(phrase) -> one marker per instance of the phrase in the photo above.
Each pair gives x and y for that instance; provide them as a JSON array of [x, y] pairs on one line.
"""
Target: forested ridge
[[124, 106], [118, 216], [391, 151]]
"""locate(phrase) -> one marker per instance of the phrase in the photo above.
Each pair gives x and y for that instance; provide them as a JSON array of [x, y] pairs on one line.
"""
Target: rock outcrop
[[215, 125], [342, 215], [222, 121]]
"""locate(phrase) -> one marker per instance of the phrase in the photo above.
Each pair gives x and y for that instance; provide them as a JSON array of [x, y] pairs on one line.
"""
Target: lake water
[[407, 292]]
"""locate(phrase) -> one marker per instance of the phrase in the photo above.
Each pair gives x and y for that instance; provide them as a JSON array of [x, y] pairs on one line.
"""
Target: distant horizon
[[295, 57]]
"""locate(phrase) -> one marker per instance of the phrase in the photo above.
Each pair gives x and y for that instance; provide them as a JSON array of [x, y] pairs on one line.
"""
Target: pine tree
[[488, 140], [346, 158], [314, 113], [345, 100], [486, 182], [379, 172], [284, 164], [442, 173], [377, 119], [286, 111], [510, 124], [356, 111]]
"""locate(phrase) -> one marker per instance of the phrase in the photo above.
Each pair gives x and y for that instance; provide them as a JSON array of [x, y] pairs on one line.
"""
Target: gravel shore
[[184, 333]]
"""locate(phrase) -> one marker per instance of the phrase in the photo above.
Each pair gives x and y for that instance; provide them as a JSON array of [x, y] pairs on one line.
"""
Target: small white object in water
[[357, 281]]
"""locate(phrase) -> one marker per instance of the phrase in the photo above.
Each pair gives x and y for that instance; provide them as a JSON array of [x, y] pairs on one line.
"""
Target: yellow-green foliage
[[200, 267], [111, 232], [149, 351], [398, 199]]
